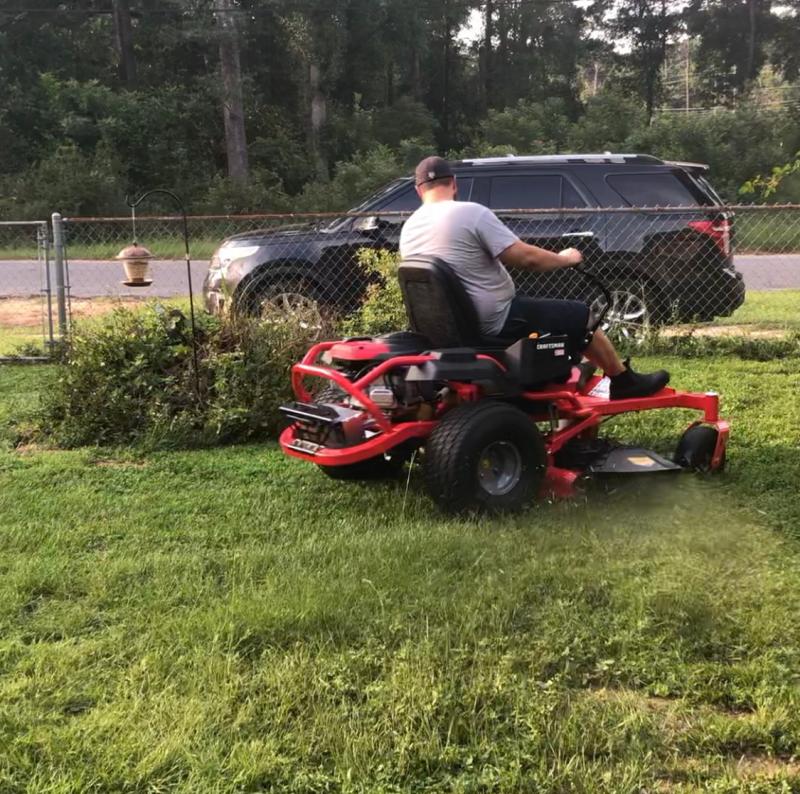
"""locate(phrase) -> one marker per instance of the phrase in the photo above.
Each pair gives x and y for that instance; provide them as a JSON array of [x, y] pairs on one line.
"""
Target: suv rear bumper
[[725, 295]]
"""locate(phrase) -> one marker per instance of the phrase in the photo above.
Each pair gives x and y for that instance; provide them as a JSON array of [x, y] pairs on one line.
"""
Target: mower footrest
[[306, 447]]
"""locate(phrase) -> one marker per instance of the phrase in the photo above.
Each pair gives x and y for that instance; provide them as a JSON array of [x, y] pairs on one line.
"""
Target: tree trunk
[[390, 82], [650, 94], [446, 78], [751, 42], [416, 74], [500, 63], [488, 65], [318, 115], [123, 40], [232, 103]]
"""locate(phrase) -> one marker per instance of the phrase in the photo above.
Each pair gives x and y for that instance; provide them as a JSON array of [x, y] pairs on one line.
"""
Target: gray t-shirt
[[468, 237]]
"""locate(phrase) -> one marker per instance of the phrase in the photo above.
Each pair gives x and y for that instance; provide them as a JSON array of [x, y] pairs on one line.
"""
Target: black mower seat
[[439, 308]]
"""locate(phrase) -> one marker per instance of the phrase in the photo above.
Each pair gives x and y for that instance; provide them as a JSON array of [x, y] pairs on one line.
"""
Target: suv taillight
[[719, 231]]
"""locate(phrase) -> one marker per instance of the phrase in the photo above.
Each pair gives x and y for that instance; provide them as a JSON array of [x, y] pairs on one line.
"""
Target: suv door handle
[[585, 235]]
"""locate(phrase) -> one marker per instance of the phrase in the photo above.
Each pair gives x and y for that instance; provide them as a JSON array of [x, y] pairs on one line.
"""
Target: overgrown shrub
[[382, 310], [129, 378]]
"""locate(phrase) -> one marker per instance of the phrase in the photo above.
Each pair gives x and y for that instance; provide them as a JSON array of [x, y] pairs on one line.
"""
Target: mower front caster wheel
[[485, 457], [696, 447]]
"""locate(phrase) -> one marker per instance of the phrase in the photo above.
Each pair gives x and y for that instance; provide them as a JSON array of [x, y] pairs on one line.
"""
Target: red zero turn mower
[[501, 421]]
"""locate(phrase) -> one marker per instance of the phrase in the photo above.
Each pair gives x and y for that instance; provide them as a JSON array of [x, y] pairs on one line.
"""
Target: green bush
[[382, 310], [527, 127], [66, 180], [353, 181], [129, 378], [722, 140], [262, 192]]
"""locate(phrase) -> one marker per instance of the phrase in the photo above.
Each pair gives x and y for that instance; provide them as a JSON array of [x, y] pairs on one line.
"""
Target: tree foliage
[[103, 97]]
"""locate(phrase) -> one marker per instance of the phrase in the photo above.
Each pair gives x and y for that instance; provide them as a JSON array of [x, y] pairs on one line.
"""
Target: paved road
[[89, 278], [92, 278]]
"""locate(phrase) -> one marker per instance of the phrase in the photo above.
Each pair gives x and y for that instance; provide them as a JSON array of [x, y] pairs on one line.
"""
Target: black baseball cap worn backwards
[[432, 168]]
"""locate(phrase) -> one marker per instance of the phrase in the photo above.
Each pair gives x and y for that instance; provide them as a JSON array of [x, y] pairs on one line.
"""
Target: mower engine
[[392, 393], [335, 419]]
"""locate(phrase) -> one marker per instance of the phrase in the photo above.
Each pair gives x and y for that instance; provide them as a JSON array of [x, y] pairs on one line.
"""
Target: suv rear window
[[664, 189], [533, 192]]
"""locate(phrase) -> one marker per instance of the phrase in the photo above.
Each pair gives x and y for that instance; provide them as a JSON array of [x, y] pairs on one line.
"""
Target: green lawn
[[767, 309], [162, 248], [767, 231], [12, 338], [231, 620]]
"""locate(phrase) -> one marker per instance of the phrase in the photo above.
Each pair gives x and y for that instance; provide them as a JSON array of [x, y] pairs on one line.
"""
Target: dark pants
[[548, 316]]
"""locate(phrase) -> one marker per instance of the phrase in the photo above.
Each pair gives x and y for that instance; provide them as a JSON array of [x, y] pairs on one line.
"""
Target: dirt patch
[[649, 702], [30, 449], [694, 774], [724, 330], [22, 312], [108, 463], [750, 767]]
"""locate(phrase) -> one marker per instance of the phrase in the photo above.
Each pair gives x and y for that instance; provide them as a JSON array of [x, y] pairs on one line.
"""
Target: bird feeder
[[136, 261]]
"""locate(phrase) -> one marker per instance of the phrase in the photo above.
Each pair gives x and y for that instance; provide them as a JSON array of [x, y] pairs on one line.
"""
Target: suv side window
[[547, 191], [664, 189], [407, 199]]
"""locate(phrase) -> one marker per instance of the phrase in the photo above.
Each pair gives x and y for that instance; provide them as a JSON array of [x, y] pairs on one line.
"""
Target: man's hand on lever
[[572, 255]]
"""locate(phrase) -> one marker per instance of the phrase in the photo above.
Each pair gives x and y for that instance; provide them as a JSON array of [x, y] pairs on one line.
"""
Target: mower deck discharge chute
[[501, 421]]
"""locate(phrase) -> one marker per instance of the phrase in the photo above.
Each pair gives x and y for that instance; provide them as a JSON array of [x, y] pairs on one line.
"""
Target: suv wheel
[[633, 311], [286, 301], [292, 306]]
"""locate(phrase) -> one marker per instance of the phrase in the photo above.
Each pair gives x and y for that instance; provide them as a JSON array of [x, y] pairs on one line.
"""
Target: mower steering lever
[[592, 279]]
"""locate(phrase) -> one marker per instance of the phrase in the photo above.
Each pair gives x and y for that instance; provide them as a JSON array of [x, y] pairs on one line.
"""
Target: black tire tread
[[444, 460]]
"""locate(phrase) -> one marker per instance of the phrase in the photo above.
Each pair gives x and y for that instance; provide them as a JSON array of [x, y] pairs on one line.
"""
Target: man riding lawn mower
[[480, 372]]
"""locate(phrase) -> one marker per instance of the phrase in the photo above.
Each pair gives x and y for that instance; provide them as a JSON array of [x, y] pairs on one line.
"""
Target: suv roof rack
[[688, 166], [545, 159]]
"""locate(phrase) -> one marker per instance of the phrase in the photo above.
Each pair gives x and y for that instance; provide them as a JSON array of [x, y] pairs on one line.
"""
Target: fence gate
[[28, 317]]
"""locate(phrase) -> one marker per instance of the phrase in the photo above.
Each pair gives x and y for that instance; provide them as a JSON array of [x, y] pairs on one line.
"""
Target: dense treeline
[[278, 104]]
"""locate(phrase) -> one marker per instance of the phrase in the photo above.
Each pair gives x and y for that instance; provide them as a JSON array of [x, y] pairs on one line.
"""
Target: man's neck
[[434, 197]]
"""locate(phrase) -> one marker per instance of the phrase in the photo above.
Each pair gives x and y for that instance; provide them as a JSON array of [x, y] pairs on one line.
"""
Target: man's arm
[[499, 241], [531, 257]]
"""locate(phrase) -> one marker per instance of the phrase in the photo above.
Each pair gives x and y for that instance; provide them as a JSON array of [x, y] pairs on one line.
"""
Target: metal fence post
[[58, 260], [43, 242]]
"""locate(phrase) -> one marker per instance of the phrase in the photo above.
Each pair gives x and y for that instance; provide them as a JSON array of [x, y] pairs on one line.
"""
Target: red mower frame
[[571, 410]]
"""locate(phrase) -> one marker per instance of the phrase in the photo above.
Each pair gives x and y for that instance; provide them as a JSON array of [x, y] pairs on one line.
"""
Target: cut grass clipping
[[230, 620]]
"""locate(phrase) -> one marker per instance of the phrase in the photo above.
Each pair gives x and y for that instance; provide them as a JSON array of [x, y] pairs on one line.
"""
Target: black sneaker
[[629, 384]]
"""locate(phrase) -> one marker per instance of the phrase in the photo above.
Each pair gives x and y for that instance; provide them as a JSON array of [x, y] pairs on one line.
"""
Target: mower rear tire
[[380, 467], [486, 457], [695, 450]]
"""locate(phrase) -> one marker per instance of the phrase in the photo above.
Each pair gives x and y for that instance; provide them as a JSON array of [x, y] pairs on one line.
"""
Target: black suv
[[661, 263]]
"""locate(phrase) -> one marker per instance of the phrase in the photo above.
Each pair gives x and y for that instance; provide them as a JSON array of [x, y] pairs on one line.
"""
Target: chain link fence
[[727, 269], [27, 312]]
